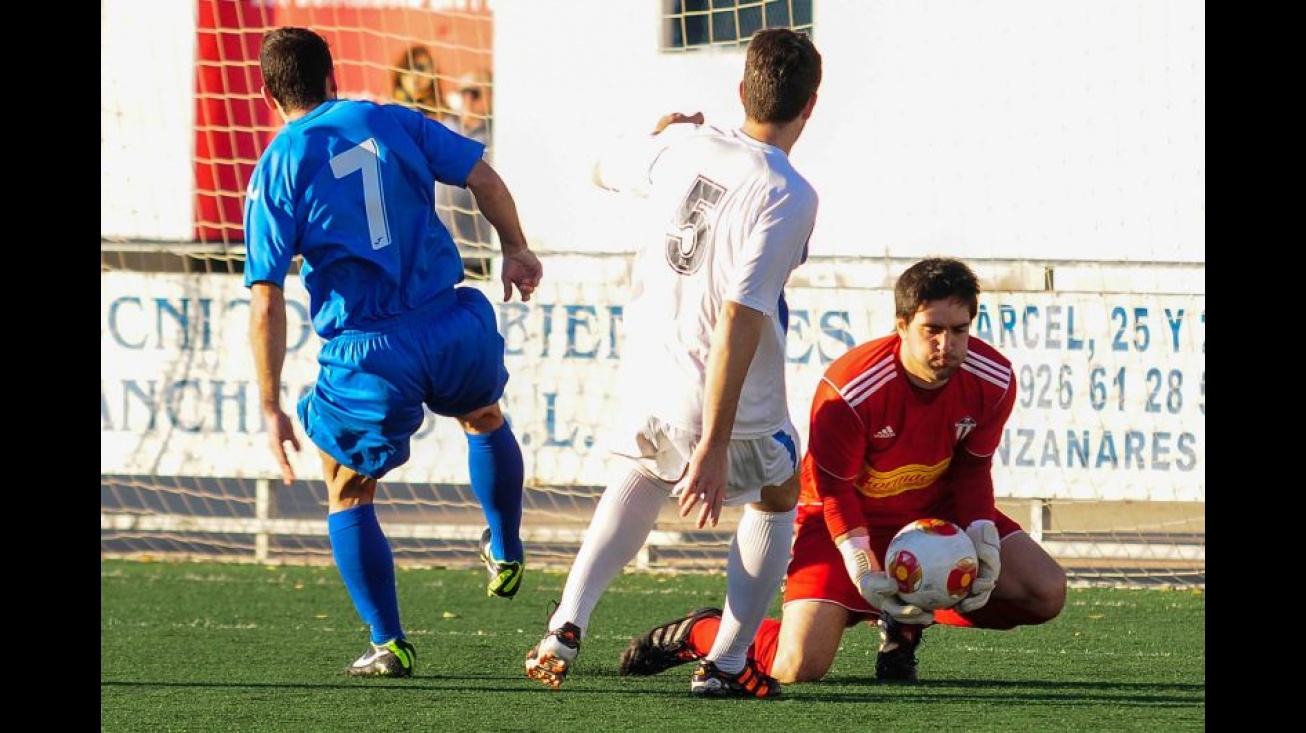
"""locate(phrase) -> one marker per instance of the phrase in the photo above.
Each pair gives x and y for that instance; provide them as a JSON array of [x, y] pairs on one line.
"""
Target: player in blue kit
[[349, 187]]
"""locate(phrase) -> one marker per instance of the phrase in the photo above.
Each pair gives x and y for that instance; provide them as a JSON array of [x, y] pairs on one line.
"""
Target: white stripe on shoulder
[[987, 369], [992, 366], [859, 388]]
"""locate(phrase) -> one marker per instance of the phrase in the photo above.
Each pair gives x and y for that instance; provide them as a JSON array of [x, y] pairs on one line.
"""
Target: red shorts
[[817, 572]]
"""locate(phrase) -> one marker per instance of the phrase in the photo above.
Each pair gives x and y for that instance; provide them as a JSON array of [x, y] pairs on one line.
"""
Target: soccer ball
[[934, 563]]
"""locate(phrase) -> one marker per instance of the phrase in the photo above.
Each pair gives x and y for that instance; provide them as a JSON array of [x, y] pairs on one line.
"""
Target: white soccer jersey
[[735, 219]]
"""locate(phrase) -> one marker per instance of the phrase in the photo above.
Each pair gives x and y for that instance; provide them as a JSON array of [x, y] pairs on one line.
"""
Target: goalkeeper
[[903, 427], [348, 187]]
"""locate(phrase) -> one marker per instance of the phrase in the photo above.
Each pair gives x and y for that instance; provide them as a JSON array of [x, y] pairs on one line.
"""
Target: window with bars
[[692, 24]]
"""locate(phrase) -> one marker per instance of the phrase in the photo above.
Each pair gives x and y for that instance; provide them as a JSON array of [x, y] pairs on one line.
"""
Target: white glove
[[984, 535], [877, 587]]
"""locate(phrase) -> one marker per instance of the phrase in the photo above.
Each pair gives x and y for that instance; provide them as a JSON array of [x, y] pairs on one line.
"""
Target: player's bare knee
[[784, 670], [1042, 610], [780, 498], [348, 489], [800, 669], [811, 670], [1044, 597], [1050, 597], [484, 420]]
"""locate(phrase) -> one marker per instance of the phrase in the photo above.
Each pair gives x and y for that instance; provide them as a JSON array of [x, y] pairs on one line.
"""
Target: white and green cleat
[[395, 658], [505, 577]]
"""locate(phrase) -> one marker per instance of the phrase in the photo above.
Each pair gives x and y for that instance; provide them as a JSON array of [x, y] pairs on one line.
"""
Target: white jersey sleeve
[[626, 163], [769, 255]]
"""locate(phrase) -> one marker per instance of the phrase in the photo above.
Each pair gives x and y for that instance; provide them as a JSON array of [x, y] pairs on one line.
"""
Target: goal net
[[435, 56], [1103, 462]]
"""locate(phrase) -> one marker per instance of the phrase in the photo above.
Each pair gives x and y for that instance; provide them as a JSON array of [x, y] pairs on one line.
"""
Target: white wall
[[996, 129], [147, 119], [1069, 130]]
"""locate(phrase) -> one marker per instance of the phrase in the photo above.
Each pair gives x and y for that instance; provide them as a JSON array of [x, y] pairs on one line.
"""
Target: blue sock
[[495, 464], [367, 566]]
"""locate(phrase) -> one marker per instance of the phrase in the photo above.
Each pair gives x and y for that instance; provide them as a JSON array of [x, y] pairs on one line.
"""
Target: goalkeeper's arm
[[970, 479]]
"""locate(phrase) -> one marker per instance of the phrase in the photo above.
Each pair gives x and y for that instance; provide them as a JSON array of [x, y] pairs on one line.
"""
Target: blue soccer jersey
[[350, 186]]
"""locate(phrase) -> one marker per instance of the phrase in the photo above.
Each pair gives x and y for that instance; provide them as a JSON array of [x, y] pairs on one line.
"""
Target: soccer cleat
[[896, 661], [664, 647], [708, 681], [395, 658], [551, 659], [505, 577]]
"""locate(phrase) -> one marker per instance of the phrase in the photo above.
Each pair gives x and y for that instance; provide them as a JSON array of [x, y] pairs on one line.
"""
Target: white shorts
[[662, 451]]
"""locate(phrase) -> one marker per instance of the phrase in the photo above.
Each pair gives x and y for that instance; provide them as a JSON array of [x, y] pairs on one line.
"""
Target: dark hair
[[295, 63], [782, 72], [936, 278]]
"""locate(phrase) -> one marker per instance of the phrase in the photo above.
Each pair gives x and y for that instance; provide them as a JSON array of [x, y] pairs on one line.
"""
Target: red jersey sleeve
[[994, 373], [970, 475], [837, 446], [970, 480]]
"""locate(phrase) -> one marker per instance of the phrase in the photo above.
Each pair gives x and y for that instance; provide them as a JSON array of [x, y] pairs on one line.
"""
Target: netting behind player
[[382, 52]]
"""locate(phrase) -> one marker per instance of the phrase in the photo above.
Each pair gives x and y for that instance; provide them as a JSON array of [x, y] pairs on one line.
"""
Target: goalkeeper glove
[[984, 535], [877, 587]]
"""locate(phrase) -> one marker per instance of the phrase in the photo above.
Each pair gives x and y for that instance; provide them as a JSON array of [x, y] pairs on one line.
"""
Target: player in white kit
[[705, 413]]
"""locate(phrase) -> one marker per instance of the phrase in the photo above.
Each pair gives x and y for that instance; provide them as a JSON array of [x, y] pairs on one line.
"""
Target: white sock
[[759, 556], [622, 521]]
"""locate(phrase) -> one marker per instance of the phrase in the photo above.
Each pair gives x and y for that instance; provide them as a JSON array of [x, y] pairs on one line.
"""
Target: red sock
[[765, 644], [996, 614], [703, 634], [951, 618], [762, 650]]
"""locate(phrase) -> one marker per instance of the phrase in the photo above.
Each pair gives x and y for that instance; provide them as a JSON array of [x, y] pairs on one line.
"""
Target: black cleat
[[709, 681], [896, 661], [663, 647], [395, 658]]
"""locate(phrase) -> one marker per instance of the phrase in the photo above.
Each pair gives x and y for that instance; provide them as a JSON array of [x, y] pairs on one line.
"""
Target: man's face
[[935, 341], [419, 80], [476, 100]]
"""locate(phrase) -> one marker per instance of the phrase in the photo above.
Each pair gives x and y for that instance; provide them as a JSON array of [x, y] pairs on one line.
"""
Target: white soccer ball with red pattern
[[933, 562]]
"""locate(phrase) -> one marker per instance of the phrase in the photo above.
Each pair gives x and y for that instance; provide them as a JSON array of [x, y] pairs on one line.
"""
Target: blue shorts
[[371, 385]]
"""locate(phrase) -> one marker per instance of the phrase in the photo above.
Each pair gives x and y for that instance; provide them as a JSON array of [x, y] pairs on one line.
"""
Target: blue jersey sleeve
[[450, 155], [269, 227]]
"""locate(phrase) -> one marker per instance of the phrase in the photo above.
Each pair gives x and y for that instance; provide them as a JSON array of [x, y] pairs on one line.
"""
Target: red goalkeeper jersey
[[883, 452]]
